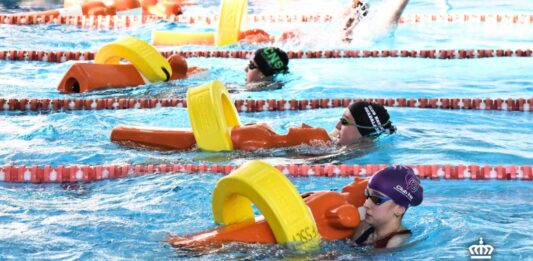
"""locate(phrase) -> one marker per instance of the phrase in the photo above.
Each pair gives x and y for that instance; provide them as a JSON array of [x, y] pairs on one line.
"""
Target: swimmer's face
[[379, 215], [348, 134], [252, 73]]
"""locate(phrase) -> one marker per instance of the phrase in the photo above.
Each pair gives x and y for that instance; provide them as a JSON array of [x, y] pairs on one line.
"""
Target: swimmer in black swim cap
[[362, 119]]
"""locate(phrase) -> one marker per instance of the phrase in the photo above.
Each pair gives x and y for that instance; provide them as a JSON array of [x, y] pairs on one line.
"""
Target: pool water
[[130, 218]]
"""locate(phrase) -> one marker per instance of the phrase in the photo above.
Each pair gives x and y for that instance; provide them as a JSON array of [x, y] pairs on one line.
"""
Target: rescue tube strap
[[63, 174]]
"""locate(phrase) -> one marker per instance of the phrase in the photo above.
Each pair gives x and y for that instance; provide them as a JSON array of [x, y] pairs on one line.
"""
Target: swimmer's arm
[[263, 86], [397, 241], [397, 6]]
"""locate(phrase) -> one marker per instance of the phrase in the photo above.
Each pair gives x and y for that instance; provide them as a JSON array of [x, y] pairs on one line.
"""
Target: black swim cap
[[271, 60], [371, 118]]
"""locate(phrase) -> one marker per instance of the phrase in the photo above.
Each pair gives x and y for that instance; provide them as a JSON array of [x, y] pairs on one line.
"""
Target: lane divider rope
[[259, 105], [125, 21], [63, 174], [63, 56]]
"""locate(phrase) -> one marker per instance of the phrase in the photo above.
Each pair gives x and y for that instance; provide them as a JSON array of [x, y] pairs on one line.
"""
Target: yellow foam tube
[[212, 114], [232, 13], [148, 61], [273, 194], [229, 25], [169, 38]]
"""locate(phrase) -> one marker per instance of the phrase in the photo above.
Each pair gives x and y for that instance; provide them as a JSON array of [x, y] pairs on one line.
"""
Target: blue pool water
[[129, 218]]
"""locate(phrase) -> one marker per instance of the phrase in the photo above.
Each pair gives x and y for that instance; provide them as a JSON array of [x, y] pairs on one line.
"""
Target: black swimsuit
[[382, 243]]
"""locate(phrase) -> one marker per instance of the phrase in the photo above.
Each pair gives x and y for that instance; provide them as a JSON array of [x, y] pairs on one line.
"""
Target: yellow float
[[181, 38], [148, 61], [232, 13], [212, 114], [273, 194]]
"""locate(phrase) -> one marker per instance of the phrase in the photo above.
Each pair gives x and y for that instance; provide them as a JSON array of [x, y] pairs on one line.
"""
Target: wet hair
[[371, 118], [271, 61]]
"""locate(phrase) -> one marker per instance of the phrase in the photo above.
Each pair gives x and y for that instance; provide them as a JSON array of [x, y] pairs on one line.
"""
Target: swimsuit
[[382, 243]]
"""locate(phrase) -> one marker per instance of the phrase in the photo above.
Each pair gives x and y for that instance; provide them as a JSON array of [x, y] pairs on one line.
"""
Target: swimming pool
[[129, 218]]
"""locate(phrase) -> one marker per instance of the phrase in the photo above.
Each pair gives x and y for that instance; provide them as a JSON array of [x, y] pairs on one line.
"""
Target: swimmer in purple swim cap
[[390, 193]]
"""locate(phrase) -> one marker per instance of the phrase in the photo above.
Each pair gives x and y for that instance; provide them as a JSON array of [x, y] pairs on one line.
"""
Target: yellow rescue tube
[[212, 114], [273, 194], [148, 61], [232, 13], [168, 38]]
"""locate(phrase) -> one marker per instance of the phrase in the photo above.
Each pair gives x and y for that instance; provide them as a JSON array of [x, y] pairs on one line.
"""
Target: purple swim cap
[[398, 183]]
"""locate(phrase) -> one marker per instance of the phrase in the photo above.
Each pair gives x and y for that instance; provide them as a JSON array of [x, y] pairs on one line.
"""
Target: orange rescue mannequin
[[83, 77], [246, 137], [336, 216]]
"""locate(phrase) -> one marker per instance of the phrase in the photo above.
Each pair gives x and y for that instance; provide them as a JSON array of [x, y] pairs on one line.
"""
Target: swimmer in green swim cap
[[264, 66]]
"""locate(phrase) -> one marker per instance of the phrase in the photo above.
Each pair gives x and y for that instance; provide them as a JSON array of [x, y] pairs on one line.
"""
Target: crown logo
[[480, 251]]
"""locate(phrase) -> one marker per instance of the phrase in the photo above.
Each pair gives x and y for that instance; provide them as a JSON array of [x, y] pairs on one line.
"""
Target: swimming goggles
[[252, 66], [345, 122], [378, 200]]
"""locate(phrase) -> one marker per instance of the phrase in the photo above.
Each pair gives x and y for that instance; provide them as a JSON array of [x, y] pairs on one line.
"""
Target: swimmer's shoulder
[[264, 86], [398, 240]]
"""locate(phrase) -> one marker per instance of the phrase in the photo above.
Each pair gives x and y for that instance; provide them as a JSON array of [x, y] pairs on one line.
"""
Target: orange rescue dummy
[[95, 8], [336, 216], [83, 77], [246, 137], [99, 8]]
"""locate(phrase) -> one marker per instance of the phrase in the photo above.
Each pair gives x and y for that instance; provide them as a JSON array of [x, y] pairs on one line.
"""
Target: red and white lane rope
[[63, 56], [62, 174], [123, 21], [253, 105]]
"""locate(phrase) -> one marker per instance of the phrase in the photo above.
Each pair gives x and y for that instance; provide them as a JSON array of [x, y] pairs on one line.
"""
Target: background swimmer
[[388, 14]]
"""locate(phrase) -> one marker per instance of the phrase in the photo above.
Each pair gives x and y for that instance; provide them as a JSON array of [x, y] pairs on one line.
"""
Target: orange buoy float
[[216, 127], [335, 215]]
